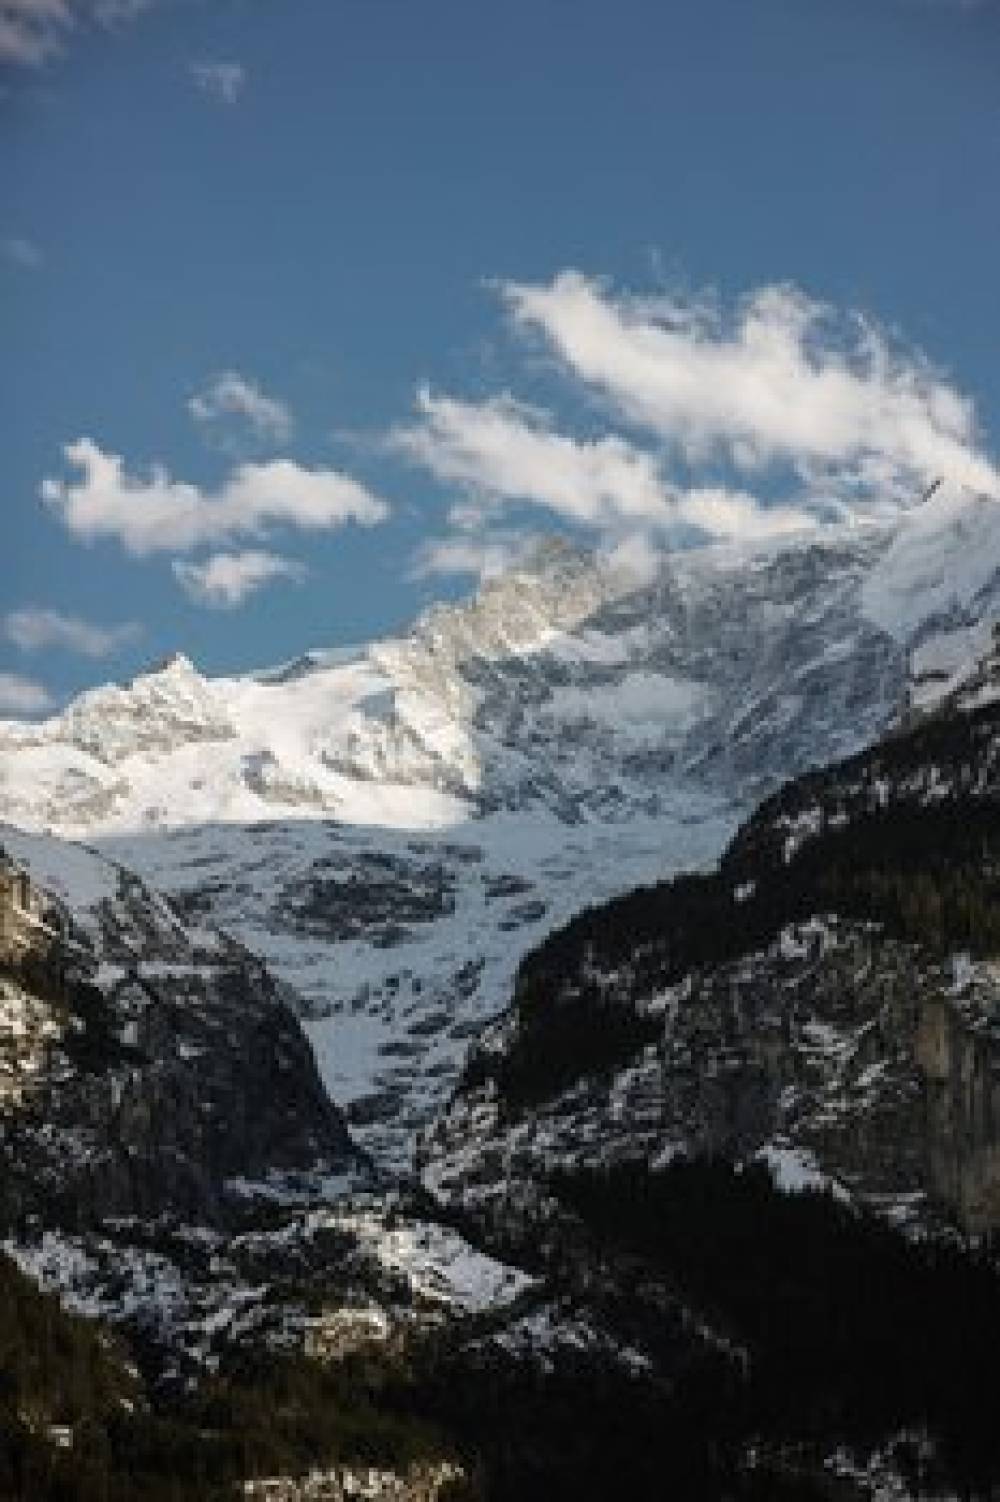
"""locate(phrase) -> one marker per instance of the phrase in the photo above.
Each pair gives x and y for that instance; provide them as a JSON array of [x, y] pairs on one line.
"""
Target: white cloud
[[780, 383], [227, 579], [33, 31], [827, 418], [735, 516], [223, 81], [20, 696], [500, 451], [159, 514], [482, 557], [637, 555], [34, 629], [21, 252], [231, 395], [503, 450]]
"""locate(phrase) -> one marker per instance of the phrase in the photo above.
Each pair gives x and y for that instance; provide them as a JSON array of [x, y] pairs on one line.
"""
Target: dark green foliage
[[861, 869], [853, 1331], [264, 1413], [927, 873], [582, 1428], [569, 1026], [54, 1370], [930, 874], [270, 1413], [951, 755], [560, 1042], [585, 1428]]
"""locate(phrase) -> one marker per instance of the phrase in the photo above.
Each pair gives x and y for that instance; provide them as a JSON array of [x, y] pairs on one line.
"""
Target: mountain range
[[451, 862]]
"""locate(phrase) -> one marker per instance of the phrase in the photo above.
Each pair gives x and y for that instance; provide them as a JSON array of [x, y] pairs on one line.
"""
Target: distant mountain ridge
[[567, 684], [563, 685]]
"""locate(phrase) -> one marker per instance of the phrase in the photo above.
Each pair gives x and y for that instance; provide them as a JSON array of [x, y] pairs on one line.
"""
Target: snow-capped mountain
[[391, 830], [393, 827], [564, 687]]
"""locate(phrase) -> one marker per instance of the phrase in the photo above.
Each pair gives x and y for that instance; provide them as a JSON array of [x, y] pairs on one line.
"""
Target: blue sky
[[364, 293]]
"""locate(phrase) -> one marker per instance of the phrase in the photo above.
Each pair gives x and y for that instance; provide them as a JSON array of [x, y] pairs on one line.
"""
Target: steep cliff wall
[[958, 1050], [147, 1067]]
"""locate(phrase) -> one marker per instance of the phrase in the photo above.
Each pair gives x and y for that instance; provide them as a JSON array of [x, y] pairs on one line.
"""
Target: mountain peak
[[554, 553], [566, 682], [176, 664]]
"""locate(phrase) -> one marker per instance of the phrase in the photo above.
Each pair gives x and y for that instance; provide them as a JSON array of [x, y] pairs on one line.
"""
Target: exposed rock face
[[733, 1014], [958, 1051], [392, 827], [152, 1068], [169, 703], [30, 924], [802, 1054], [156, 1093]]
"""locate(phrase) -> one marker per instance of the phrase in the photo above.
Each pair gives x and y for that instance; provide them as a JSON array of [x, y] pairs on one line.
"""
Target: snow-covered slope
[[941, 566], [393, 827], [564, 686]]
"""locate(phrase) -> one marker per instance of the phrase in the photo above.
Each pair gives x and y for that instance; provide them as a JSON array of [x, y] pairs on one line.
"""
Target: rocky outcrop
[[154, 1076], [801, 1054], [156, 1095], [958, 1051]]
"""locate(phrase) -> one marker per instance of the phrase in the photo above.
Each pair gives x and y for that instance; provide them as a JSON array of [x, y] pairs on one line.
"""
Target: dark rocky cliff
[[827, 999], [147, 1069]]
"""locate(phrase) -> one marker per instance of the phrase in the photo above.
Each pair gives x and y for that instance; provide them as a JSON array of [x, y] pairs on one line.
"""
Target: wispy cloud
[[224, 81], [34, 629], [483, 557], [22, 696], [737, 516], [771, 418], [499, 451], [502, 449], [780, 381], [227, 579], [34, 31], [157, 513], [230, 396], [21, 252]]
